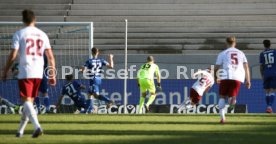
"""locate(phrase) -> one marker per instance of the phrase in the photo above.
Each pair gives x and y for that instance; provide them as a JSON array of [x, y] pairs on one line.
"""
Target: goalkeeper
[[145, 79]]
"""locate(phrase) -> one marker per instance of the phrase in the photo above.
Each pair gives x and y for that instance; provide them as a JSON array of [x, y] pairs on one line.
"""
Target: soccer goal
[[70, 41]]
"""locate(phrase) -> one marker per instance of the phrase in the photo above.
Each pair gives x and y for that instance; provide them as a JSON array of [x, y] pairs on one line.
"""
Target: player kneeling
[[73, 90], [204, 82]]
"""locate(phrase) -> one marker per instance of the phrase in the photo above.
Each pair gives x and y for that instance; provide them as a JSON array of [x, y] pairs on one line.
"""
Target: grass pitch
[[144, 129]]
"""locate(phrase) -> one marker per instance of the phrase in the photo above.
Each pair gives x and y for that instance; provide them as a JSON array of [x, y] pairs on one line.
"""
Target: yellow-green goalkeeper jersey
[[147, 71]]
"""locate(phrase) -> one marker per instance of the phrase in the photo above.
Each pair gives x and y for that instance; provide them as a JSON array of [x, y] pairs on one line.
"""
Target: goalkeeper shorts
[[147, 85]]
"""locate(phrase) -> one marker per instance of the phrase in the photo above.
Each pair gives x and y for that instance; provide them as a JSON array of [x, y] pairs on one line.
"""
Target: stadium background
[[185, 32]]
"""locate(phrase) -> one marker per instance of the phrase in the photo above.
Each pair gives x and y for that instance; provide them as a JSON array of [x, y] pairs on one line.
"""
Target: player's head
[[231, 41], [69, 77], [266, 43], [150, 59], [95, 51], [28, 17]]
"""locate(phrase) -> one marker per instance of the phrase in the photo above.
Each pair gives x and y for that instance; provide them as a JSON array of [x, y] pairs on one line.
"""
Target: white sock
[[31, 113], [221, 104], [23, 122]]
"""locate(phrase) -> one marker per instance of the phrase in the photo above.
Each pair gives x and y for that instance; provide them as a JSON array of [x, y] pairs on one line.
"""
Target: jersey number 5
[[33, 44], [234, 58]]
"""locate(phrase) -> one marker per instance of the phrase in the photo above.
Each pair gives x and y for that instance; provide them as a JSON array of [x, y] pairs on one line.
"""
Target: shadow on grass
[[167, 136]]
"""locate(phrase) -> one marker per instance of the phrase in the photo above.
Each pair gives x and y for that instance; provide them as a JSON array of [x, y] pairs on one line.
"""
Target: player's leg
[[191, 101], [97, 84], [143, 92], [152, 92], [23, 123], [271, 94], [37, 103], [223, 91], [44, 93], [29, 90]]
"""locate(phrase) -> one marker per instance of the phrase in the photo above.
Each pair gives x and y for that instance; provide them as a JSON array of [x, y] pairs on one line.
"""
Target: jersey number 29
[[31, 44]]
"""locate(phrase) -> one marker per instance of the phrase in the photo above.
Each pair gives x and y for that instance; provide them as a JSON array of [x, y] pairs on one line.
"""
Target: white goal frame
[[88, 24]]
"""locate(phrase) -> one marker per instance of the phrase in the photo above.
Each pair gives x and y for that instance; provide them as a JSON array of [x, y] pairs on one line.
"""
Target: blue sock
[[104, 98], [37, 102], [46, 102], [271, 98], [90, 107]]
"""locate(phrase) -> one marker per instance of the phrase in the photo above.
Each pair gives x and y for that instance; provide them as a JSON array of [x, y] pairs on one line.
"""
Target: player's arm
[[247, 75], [52, 66], [215, 73], [9, 63], [262, 70], [110, 63], [261, 59], [157, 73]]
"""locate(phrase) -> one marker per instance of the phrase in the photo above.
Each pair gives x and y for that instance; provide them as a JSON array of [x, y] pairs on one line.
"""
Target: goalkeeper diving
[[146, 84], [204, 82]]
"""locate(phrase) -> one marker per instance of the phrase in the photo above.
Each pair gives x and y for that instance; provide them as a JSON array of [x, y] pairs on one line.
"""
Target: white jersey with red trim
[[31, 43], [205, 80], [232, 61]]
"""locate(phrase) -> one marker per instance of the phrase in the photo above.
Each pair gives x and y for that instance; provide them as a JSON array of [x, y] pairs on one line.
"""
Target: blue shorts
[[94, 87], [269, 82], [44, 85]]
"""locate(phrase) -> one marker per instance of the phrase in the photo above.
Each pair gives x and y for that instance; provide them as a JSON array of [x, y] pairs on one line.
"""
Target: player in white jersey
[[234, 70], [204, 82], [31, 43]]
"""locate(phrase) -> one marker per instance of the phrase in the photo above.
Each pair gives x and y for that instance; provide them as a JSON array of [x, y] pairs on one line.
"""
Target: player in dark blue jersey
[[73, 90], [93, 68], [268, 72], [43, 90]]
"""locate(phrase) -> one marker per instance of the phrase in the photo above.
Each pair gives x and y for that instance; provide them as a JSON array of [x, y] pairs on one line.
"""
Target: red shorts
[[229, 88], [29, 87], [194, 96]]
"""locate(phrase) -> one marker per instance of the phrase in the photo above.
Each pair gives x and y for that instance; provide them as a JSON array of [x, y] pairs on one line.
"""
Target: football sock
[[267, 99], [46, 102], [30, 112], [151, 99], [271, 98], [103, 98], [141, 104], [23, 122], [7, 103], [90, 105], [37, 102], [221, 104]]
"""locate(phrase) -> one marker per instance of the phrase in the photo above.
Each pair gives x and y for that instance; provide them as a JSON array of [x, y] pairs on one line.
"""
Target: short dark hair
[[28, 16], [266, 43], [150, 59], [69, 77], [230, 40], [94, 50]]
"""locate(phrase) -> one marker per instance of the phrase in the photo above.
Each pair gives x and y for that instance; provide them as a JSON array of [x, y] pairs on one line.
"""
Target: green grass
[[143, 129]]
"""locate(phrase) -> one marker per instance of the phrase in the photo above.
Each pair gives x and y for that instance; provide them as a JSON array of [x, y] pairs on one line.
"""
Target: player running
[[268, 73], [73, 90], [204, 82], [31, 43], [235, 69], [43, 91], [93, 67], [145, 79]]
